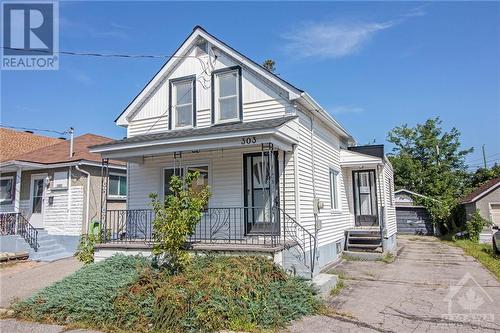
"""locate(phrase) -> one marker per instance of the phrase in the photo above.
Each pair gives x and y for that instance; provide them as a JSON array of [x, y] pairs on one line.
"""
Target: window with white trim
[[197, 185], [6, 189], [334, 192], [117, 186], [227, 96], [183, 103]]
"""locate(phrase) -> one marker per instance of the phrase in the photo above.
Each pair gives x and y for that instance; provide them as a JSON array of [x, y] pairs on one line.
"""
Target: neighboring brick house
[[485, 199], [56, 191]]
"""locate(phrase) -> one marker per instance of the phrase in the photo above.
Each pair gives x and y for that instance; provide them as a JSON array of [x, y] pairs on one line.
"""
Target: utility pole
[[484, 158]]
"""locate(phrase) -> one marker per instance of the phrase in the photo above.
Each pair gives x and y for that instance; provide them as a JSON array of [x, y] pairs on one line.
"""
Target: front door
[[261, 193], [365, 198], [37, 197]]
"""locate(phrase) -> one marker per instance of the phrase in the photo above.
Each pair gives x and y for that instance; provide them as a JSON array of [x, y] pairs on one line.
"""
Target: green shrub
[[85, 251], [84, 297], [175, 220], [215, 293], [475, 225]]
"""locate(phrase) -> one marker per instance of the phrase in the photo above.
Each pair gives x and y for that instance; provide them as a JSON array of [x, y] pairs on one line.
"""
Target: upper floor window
[[117, 186], [6, 189], [183, 102], [227, 95]]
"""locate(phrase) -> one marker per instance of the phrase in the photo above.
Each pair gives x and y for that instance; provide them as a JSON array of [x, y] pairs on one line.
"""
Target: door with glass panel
[[365, 198], [37, 197], [261, 193]]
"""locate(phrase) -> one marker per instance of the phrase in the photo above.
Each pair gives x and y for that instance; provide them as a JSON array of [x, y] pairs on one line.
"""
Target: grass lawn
[[126, 294], [482, 252]]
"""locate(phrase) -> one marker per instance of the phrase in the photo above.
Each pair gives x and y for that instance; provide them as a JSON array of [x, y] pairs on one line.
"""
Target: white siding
[[260, 99], [390, 210], [63, 217], [326, 155]]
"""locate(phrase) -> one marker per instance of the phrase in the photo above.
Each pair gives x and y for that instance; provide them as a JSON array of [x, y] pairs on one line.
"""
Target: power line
[[480, 159], [34, 129], [104, 55]]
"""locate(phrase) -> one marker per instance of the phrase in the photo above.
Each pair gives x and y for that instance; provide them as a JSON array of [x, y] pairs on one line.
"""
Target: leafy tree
[[270, 65], [482, 175], [430, 161], [175, 220]]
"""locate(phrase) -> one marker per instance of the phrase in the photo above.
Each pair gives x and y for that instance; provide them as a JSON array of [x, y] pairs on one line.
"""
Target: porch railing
[[16, 223], [264, 227]]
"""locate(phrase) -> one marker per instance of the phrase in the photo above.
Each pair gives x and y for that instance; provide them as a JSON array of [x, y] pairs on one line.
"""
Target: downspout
[[70, 176], [87, 203]]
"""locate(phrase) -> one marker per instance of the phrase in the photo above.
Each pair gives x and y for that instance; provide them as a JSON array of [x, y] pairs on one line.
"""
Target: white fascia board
[[482, 194], [36, 166], [329, 120], [172, 141], [172, 62]]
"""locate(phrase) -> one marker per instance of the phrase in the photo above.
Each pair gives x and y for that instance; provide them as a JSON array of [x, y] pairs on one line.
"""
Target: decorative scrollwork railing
[[16, 223]]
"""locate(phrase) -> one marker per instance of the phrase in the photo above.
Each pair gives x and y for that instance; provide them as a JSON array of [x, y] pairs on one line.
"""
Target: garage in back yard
[[412, 218]]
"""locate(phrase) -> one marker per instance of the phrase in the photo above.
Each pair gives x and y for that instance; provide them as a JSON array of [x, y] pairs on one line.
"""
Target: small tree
[[270, 65], [175, 220]]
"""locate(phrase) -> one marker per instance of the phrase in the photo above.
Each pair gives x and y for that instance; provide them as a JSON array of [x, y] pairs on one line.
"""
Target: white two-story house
[[286, 178]]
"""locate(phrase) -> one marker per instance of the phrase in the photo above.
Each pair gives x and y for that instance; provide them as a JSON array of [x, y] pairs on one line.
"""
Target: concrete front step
[[54, 257]]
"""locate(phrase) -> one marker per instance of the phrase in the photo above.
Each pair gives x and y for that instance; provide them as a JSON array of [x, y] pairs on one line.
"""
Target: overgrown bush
[[175, 220], [475, 225], [85, 297], [215, 293]]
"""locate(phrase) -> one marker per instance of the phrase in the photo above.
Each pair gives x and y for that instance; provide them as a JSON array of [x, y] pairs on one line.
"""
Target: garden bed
[[212, 293]]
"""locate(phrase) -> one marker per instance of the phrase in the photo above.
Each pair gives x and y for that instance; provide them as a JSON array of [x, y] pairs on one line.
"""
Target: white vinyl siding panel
[[261, 100], [390, 210], [326, 156]]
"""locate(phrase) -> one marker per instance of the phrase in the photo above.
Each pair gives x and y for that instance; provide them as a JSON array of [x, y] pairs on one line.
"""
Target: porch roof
[[217, 136], [351, 159]]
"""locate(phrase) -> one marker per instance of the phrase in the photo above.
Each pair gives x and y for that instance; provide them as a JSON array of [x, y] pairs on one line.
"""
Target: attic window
[[226, 95], [182, 103]]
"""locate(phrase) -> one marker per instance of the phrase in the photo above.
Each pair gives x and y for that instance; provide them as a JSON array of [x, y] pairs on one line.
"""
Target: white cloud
[[337, 39], [346, 109], [331, 39]]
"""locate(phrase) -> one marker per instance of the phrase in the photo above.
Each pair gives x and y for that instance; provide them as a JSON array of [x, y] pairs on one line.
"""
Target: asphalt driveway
[[430, 287]]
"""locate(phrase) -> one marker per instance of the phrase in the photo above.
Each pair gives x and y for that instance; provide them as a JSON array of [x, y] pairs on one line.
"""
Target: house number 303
[[248, 140]]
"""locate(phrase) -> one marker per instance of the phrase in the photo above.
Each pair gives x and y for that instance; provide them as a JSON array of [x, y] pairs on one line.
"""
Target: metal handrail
[[16, 223]]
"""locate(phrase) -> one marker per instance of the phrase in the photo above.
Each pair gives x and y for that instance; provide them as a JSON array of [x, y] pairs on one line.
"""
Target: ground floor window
[[6, 189], [198, 184], [117, 186]]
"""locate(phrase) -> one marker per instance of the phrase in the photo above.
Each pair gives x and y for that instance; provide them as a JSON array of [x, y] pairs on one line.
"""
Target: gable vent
[[201, 48]]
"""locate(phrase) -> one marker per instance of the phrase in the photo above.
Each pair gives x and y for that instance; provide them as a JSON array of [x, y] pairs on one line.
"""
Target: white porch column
[[17, 193]]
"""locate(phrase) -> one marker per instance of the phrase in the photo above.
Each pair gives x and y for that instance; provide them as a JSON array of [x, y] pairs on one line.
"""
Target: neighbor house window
[[117, 186], [6, 189], [334, 193], [227, 95]]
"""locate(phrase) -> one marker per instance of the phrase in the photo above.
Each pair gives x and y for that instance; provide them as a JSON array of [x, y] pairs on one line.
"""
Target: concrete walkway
[[23, 279], [410, 294]]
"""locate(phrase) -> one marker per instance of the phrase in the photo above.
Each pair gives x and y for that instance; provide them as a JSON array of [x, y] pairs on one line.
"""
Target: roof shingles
[[480, 190], [15, 143]]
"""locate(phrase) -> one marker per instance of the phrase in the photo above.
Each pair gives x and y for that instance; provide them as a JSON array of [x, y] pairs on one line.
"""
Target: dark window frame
[[240, 93], [171, 83]]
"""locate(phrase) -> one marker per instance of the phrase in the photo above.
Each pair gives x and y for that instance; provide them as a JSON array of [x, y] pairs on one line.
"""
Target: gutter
[[87, 207]]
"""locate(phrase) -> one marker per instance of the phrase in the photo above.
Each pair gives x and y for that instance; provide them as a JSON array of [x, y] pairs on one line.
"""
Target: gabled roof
[[14, 143], [198, 33], [410, 193], [482, 190], [59, 152]]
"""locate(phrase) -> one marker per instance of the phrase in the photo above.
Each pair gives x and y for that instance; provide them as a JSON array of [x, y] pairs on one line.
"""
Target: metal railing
[[16, 223], [259, 226]]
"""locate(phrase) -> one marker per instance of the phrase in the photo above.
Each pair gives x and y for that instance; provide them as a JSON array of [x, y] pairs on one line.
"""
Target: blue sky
[[372, 65]]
